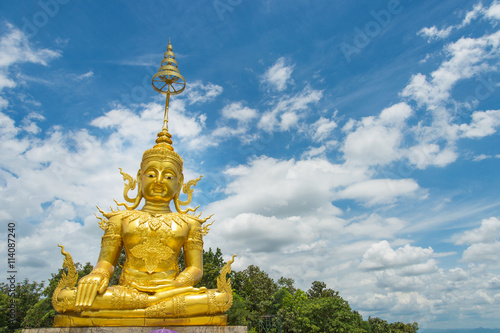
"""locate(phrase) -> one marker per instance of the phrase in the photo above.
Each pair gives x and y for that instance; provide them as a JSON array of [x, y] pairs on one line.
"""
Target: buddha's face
[[160, 181]]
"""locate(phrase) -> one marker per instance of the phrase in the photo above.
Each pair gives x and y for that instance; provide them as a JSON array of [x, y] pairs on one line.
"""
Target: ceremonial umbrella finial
[[168, 81]]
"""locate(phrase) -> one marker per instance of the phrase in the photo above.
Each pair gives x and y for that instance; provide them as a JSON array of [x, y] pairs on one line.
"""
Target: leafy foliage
[[212, 265], [42, 313], [24, 295], [115, 278]]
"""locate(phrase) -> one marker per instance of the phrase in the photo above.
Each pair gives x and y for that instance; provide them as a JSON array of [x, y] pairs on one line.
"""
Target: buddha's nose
[[159, 179]]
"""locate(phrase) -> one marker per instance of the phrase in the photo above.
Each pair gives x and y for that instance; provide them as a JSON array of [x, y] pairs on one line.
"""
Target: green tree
[[212, 265], [399, 327], [257, 287], [42, 313], [239, 314], [318, 289], [287, 283], [115, 278], [328, 314], [290, 308], [378, 325], [25, 295]]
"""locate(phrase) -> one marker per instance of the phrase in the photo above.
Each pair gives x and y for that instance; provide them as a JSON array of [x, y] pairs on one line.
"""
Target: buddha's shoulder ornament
[[109, 218]]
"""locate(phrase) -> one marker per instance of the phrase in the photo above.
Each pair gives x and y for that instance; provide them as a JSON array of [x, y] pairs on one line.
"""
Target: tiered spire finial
[[168, 81]]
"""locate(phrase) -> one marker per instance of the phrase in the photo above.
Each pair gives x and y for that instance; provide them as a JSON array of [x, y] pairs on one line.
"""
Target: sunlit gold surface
[[151, 291], [72, 321], [168, 81]]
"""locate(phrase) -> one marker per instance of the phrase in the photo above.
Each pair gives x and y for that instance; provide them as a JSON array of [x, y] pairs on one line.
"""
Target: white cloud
[[320, 151], [278, 75], [198, 91], [323, 128], [381, 255], [467, 58], [87, 75], [483, 123], [380, 191], [434, 33], [376, 140], [494, 11], [488, 232], [264, 234], [484, 242], [237, 111], [283, 188], [287, 111], [142, 124], [15, 48], [476, 11], [424, 155], [288, 120], [482, 252], [29, 125], [375, 226]]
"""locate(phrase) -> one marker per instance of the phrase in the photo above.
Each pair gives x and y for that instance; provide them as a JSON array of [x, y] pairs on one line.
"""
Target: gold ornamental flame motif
[[168, 81]]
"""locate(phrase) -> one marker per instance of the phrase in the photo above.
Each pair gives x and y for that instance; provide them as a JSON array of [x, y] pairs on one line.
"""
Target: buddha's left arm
[[193, 255]]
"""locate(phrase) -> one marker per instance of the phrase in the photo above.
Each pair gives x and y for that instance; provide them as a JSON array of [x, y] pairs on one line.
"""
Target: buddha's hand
[[89, 286]]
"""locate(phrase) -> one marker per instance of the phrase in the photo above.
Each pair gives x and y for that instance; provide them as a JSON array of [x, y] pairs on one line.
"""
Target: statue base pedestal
[[135, 329], [82, 321]]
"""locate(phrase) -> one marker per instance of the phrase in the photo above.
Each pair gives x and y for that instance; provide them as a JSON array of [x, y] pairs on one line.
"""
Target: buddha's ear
[[181, 182]]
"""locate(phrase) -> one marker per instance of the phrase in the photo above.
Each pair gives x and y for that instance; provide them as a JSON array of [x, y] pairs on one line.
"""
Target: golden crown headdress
[[167, 81]]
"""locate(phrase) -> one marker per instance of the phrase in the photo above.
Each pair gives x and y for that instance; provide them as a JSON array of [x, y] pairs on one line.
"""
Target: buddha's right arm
[[98, 279], [111, 244]]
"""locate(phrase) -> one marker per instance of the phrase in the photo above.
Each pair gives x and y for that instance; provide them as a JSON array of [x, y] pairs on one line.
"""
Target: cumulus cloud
[[494, 11], [467, 58], [376, 140], [483, 123], [239, 112], [380, 191], [488, 232], [322, 129], [482, 252], [425, 155], [279, 75], [381, 255], [283, 187], [375, 226], [483, 242], [435, 136]]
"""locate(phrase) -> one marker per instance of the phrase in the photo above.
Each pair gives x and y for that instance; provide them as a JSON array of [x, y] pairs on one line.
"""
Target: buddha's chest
[[154, 234]]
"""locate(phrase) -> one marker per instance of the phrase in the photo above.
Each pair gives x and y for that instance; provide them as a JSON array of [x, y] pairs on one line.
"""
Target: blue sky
[[354, 143]]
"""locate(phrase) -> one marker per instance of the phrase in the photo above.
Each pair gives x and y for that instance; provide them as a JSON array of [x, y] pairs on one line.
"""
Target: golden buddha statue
[[151, 290]]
